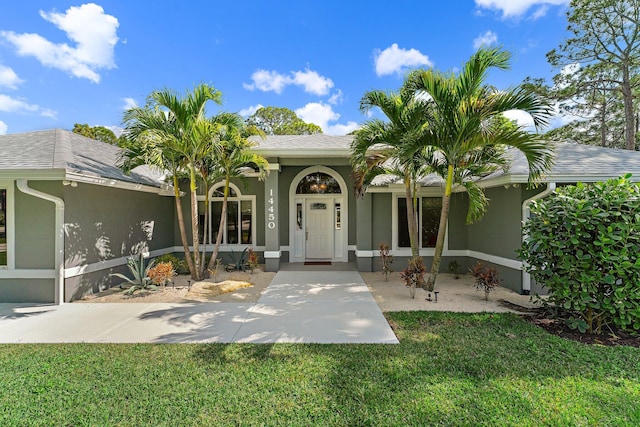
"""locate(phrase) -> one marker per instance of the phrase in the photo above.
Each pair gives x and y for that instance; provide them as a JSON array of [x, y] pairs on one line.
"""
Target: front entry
[[319, 235], [318, 199]]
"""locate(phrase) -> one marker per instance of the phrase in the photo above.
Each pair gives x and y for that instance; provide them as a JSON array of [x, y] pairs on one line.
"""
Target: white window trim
[[10, 225], [394, 227], [238, 198]]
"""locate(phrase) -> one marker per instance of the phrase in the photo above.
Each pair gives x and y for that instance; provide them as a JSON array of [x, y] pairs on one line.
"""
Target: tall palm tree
[[232, 156], [189, 111], [163, 134], [148, 139], [387, 147], [468, 138]]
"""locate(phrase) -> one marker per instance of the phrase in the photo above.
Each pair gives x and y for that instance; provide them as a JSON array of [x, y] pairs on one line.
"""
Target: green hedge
[[584, 247]]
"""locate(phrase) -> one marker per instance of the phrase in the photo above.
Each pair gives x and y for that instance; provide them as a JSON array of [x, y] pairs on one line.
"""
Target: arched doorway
[[318, 212]]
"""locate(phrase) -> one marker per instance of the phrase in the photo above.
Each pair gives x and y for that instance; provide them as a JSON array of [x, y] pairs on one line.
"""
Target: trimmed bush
[[584, 247]]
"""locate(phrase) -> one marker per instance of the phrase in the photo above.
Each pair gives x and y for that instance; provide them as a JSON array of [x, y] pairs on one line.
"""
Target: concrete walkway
[[296, 307]]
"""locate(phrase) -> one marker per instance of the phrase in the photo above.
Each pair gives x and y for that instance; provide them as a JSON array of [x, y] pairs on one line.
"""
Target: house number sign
[[271, 211]]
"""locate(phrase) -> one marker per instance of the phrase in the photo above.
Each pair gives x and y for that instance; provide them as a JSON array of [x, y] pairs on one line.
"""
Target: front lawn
[[450, 369]]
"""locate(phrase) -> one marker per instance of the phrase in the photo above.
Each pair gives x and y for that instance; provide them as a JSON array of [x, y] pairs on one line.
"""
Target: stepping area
[[296, 307]]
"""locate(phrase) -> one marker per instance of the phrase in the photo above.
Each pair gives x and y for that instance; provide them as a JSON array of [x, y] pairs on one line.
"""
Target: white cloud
[[394, 60], [129, 103], [92, 31], [8, 78], [517, 8], [268, 81], [321, 114], [312, 82], [336, 98], [487, 39], [246, 112], [272, 81], [3, 128], [15, 105]]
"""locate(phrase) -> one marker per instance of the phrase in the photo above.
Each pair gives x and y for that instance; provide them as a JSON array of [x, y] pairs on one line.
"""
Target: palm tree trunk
[[183, 231], [194, 224], [223, 214], [442, 229], [411, 219], [205, 226]]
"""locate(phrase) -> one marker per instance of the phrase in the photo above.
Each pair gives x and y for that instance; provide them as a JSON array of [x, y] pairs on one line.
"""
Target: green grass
[[450, 369]]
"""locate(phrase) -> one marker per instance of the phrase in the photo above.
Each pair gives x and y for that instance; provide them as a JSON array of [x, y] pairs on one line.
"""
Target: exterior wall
[[382, 208], [34, 247], [498, 232], [104, 225]]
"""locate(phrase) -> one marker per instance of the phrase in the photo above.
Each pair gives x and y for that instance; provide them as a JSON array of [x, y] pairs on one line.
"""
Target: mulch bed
[[558, 326]]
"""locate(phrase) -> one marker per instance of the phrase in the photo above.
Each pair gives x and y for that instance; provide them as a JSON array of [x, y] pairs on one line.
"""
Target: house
[[71, 216]]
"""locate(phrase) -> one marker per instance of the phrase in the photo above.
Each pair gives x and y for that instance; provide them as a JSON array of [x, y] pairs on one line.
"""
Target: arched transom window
[[318, 183]]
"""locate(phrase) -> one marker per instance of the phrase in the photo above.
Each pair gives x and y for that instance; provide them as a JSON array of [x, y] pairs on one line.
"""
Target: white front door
[[319, 228]]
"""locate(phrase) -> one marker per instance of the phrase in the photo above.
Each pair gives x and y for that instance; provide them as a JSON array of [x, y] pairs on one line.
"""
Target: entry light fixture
[[71, 183]]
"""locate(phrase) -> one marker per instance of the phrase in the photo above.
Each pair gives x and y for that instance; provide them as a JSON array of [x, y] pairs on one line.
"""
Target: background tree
[[99, 133], [468, 134], [280, 121], [605, 42]]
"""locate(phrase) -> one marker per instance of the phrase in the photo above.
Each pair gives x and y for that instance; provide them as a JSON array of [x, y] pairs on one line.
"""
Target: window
[[318, 183], [239, 219], [429, 209], [3, 227]]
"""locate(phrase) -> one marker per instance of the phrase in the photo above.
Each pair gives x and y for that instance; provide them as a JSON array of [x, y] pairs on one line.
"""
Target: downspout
[[59, 236], [526, 213]]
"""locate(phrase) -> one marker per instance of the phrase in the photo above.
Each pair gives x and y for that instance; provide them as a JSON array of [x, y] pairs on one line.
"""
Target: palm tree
[[387, 147], [193, 146], [163, 134], [232, 156], [468, 137], [148, 136]]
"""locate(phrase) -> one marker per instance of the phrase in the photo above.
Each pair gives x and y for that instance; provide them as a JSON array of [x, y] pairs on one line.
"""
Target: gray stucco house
[[69, 216]]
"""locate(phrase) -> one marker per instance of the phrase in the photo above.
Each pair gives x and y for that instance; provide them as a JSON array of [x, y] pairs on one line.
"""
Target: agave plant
[[140, 275]]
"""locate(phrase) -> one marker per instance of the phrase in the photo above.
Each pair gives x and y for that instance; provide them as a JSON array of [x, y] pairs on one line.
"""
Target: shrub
[[252, 259], [413, 275], [584, 248], [453, 269], [161, 273], [486, 278], [387, 260], [179, 265]]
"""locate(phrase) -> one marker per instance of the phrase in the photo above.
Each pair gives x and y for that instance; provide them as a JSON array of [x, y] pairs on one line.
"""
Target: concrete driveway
[[296, 307]]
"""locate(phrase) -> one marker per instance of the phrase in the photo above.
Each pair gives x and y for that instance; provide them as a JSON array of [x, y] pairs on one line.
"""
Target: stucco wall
[[103, 223]]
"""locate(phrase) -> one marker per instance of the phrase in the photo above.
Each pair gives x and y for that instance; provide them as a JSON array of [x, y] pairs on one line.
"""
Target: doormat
[[317, 263]]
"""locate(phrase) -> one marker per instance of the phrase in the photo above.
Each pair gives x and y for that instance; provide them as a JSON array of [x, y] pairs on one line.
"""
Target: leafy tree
[[466, 135], [381, 147], [99, 133], [605, 42], [165, 134], [280, 121]]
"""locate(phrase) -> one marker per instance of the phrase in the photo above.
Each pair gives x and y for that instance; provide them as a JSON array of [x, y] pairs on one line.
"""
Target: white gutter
[[526, 213], [23, 186]]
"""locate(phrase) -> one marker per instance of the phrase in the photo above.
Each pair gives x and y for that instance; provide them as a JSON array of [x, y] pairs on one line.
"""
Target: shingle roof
[[573, 162], [303, 144], [64, 150], [573, 159]]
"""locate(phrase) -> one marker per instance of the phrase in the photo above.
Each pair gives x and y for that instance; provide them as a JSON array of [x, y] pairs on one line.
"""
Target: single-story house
[[69, 216]]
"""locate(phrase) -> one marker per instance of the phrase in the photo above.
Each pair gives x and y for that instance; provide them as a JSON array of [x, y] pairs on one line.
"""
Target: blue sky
[[66, 62]]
